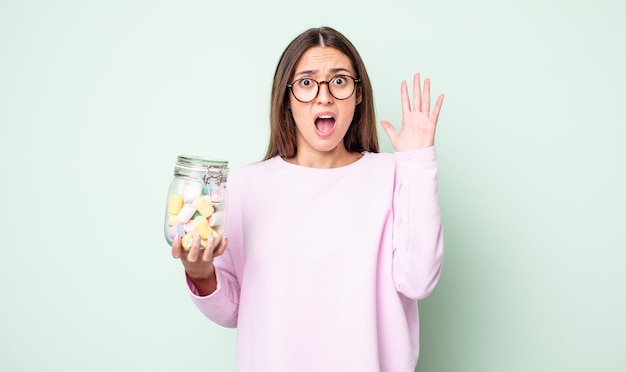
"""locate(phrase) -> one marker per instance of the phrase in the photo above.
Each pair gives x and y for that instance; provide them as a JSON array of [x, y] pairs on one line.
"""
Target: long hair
[[361, 135]]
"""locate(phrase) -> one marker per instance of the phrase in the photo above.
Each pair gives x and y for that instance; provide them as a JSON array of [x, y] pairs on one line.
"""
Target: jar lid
[[208, 170]]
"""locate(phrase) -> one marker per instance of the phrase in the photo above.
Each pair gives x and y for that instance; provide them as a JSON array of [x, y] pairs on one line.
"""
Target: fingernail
[[196, 238]]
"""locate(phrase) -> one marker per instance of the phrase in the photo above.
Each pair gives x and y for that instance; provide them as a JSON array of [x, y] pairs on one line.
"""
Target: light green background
[[98, 98]]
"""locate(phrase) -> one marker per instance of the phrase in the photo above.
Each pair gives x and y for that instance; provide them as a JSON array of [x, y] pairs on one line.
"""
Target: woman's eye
[[306, 83], [340, 80]]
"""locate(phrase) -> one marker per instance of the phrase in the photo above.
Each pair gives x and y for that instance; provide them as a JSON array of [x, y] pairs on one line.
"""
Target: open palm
[[418, 123]]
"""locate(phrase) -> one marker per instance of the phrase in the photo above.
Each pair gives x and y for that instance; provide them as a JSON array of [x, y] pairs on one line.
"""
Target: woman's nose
[[323, 95]]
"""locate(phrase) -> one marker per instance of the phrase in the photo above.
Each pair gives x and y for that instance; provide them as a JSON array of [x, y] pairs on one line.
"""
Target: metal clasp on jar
[[213, 179]]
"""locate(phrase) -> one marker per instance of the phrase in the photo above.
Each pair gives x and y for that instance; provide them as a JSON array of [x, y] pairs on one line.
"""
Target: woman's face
[[323, 122]]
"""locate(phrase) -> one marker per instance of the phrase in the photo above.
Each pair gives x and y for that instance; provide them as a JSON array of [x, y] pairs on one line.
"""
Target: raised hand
[[418, 123]]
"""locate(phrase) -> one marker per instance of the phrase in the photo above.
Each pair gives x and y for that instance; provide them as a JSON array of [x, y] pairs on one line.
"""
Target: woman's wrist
[[204, 285]]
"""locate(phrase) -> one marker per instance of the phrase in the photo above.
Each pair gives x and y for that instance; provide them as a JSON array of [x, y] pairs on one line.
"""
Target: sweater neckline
[[287, 165]]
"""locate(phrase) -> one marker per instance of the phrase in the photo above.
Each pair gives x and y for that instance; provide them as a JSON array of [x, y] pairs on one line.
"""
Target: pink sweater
[[324, 267]]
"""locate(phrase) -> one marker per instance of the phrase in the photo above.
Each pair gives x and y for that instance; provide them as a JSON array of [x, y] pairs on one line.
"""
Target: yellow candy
[[204, 206], [217, 235], [172, 220], [187, 241], [174, 204], [202, 227]]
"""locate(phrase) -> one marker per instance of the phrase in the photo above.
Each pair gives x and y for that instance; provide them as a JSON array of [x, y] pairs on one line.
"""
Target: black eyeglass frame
[[356, 81]]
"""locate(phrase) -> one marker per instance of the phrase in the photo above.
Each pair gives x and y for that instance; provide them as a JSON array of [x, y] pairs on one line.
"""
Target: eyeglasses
[[306, 90]]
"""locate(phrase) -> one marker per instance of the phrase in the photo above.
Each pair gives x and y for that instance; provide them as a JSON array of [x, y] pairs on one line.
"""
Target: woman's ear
[[359, 96]]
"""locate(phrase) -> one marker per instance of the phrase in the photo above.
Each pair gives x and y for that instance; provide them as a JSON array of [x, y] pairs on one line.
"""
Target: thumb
[[389, 129]]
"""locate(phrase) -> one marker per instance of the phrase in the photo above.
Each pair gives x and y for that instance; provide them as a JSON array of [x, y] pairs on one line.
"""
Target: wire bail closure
[[213, 175]]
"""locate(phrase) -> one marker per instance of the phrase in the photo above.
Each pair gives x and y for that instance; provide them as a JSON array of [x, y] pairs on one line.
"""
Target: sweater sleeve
[[417, 229], [222, 306]]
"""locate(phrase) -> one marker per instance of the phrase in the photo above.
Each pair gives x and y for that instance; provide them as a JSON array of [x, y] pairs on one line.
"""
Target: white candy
[[190, 228], [186, 213], [191, 191], [216, 219]]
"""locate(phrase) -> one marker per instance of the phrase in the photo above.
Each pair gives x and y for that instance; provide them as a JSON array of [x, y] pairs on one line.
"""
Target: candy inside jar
[[196, 201]]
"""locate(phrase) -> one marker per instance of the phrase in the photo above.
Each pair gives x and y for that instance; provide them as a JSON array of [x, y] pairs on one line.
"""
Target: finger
[[435, 115], [221, 248], [194, 250], [417, 92], [404, 97], [208, 250], [176, 249], [389, 129], [426, 97]]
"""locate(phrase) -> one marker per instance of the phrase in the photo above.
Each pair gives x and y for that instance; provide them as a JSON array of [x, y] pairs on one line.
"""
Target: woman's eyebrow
[[332, 70]]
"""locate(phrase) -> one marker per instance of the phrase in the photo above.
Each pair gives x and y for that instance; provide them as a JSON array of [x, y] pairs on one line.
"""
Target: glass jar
[[196, 201]]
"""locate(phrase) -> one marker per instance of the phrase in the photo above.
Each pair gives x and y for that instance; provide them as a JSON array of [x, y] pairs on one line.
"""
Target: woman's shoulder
[[252, 169], [380, 155], [382, 158]]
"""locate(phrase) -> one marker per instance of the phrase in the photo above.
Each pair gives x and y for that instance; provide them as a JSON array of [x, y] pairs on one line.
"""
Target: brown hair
[[361, 136]]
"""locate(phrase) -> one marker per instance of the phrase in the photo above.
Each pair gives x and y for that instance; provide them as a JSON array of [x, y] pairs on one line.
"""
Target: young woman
[[329, 244]]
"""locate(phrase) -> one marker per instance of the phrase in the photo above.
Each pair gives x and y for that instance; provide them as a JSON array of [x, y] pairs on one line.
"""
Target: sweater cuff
[[194, 291], [425, 155]]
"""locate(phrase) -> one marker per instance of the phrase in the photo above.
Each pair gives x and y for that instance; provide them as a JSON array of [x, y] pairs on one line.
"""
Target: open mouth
[[324, 124]]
